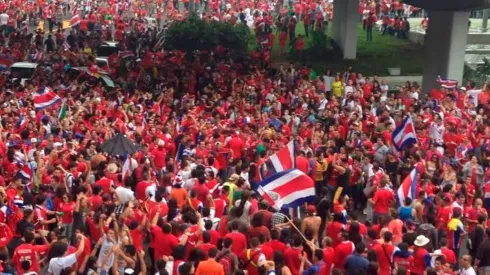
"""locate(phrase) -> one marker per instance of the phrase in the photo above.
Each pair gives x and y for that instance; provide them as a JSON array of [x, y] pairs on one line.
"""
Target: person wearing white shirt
[[384, 90], [466, 268], [437, 129], [59, 261]]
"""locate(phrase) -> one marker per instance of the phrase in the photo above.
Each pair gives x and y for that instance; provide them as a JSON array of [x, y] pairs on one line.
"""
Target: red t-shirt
[[239, 242], [236, 145], [159, 157], [291, 258], [140, 191], [27, 252], [343, 250], [382, 199], [67, 210], [86, 251], [165, 242]]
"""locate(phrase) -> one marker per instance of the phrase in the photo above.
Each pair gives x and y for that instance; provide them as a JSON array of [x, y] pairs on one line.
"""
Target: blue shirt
[[354, 263], [313, 269]]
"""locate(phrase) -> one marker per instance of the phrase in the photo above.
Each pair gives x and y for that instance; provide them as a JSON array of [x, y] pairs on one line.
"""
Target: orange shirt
[[210, 267], [180, 195]]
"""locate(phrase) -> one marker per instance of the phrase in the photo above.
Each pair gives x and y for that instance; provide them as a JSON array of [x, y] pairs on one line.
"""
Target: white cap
[[160, 142]]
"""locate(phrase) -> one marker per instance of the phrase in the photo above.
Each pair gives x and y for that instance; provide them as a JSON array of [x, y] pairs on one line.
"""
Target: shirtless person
[[311, 221]]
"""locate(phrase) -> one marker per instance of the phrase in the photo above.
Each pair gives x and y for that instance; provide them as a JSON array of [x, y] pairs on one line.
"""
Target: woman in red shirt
[[65, 211]]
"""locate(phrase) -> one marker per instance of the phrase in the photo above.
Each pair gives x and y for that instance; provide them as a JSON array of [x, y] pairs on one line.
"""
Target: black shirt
[[483, 252]]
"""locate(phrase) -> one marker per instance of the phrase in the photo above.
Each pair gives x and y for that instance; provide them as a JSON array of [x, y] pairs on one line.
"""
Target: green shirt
[[313, 75]]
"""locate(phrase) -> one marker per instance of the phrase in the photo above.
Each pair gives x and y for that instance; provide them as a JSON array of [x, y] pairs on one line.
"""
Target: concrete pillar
[[484, 24], [446, 43], [345, 22]]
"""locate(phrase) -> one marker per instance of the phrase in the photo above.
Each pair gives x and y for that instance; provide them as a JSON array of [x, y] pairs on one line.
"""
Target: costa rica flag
[[45, 98]]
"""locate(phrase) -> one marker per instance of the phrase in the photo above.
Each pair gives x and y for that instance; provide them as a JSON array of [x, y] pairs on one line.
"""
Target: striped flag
[[21, 124], [66, 46], [38, 55], [404, 135], [408, 186], [280, 161], [290, 188], [62, 113], [447, 83], [45, 98], [75, 20]]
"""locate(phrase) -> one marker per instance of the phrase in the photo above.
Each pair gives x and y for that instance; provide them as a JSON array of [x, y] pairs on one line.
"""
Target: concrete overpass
[[446, 36]]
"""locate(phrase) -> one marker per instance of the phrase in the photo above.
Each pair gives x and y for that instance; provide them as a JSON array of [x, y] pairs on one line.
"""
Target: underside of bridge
[[447, 34]]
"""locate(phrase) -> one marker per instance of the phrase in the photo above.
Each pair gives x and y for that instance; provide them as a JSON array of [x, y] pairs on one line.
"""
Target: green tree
[[197, 34]]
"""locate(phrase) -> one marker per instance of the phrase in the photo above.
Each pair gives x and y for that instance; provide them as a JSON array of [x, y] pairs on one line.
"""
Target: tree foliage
[[196, 34]]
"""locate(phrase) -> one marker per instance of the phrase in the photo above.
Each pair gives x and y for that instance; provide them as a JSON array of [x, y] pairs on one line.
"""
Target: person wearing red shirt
[[252, 257], [86, 250], [142, 188], [65, 209], [448, 253], [302, 163], [28, 252], [334, 228], [237, 146], [164, 240], [106, 184], [239, 240], [292, 255], [275, 244], [328, 254], [343, 249], [159, 155], [385, 253], [381, 201], [206, 245], [202, 192]]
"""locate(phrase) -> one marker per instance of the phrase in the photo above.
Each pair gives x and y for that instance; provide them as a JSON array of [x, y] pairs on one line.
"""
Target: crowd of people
[[186, 202]]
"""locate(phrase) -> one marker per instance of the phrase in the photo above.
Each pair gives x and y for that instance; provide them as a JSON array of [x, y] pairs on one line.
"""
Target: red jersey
[[28, 252]]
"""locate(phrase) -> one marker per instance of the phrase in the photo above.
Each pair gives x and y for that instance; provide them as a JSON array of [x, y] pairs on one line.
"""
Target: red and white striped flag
[[447, 83], [44, 98], [75, 20]]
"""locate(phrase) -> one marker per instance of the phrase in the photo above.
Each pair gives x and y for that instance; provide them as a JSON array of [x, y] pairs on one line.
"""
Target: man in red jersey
[[28, 252]]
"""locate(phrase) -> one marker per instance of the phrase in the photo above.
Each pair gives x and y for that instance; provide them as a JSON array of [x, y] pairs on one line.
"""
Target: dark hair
[[57, 249], [212, 252]]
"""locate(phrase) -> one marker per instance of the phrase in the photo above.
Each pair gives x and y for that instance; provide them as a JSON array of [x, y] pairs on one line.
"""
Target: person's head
[[465, 261], [360, 247], [439, 263], [29, 236], [317, 255], [212, 253], [297, 241], [254, 242]]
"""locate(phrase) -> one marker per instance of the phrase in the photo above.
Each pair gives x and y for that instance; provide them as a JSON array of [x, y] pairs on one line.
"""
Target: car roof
[[26, 65], [109, 43]]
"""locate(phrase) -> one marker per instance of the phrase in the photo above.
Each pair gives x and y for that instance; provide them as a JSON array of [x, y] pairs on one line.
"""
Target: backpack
[[243, 264], [226, 260]]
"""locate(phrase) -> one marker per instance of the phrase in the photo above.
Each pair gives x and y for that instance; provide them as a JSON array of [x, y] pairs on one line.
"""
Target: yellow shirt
[[337, 88], [320, 169]]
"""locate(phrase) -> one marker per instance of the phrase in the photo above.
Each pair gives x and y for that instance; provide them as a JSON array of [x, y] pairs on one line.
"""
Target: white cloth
[[56, 265], [124, 194], [4, 19]]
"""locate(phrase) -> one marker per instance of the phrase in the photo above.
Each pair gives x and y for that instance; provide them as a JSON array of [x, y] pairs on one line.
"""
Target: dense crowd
[[187, 201]]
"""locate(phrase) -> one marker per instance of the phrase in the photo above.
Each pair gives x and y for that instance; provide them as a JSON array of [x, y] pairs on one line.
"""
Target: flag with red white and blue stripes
[[45, 98]]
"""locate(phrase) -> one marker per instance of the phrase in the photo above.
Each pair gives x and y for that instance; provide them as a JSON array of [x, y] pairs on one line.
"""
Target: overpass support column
[[345, 21], [447, 36]]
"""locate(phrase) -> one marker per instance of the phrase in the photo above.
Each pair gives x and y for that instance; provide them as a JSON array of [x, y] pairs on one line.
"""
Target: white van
[[22, 71]]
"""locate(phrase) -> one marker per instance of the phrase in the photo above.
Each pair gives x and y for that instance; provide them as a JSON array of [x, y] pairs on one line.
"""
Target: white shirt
[[474, 96], [56, 265], [4, 19], [437, 131], [469, 271], [124, 194]]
